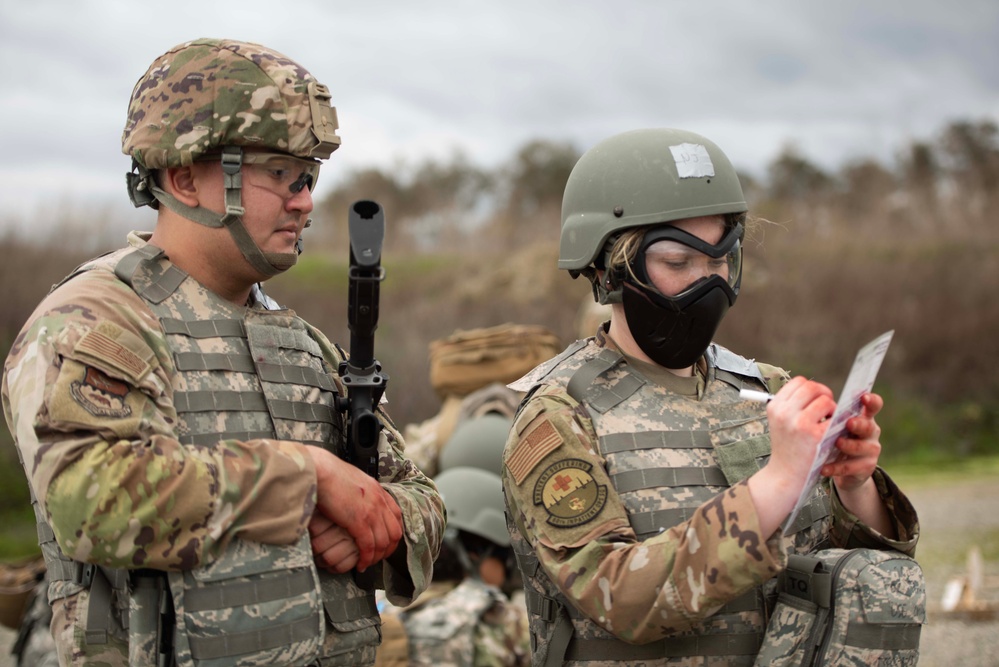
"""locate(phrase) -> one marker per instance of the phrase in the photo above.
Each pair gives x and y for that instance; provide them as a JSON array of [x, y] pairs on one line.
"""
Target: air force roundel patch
[[569, 494]]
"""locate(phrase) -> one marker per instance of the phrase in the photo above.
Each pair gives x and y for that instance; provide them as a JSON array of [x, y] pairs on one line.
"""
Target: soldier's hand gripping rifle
[[361, 373]]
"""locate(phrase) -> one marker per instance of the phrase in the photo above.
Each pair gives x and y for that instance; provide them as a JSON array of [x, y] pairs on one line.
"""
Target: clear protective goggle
[[674, 262], [282, 173]]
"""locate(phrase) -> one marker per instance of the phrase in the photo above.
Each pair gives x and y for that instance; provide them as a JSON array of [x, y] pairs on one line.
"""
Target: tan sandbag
[[17, 581], [394, 649], [470, 359]]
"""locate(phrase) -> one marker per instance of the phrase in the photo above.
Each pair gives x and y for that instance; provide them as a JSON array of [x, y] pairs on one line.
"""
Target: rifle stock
[[361, 373]]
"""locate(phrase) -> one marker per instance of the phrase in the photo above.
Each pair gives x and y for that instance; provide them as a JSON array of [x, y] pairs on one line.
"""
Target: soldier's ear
[[182, 183]]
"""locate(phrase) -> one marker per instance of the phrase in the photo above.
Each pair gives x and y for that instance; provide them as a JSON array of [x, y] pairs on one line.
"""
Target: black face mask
[[675, 331]]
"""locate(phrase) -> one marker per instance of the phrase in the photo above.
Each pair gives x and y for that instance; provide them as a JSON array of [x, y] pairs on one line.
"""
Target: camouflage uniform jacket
[[631, 518], [470, 624], [142, 451]]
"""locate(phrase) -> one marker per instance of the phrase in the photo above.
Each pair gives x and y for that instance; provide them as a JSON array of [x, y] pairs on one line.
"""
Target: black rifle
[[361, 373]]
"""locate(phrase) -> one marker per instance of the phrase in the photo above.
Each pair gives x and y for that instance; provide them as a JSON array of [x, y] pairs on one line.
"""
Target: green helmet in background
[[474, 502], [477, 443], [210, 98], [642, 178]]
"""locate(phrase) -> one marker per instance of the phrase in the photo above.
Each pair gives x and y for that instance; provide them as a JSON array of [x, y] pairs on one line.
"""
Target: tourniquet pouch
[[256, 605], [846, 607]]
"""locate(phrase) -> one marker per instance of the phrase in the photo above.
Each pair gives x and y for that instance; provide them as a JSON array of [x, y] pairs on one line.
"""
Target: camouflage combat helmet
[[474, 502], [637, 179], [209, 99], [477, 443]]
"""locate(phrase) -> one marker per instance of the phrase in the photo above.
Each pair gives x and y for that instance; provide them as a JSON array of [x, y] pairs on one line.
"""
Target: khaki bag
[[471, 359], [17, 582], [846, 607]]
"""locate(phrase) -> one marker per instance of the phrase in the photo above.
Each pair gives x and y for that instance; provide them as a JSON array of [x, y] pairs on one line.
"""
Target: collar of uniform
[[685, 386]]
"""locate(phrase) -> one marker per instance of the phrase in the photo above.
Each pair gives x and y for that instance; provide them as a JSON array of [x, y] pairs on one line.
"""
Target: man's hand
[[357, 503], [332, 546]]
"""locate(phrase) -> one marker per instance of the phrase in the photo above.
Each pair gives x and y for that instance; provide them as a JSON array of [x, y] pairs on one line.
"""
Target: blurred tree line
[[834, 259]]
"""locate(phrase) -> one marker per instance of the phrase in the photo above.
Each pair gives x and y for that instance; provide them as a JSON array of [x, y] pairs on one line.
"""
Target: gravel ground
[[954, 517]]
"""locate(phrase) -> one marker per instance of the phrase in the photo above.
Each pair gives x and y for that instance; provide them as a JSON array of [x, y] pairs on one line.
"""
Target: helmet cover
[[208, 93]]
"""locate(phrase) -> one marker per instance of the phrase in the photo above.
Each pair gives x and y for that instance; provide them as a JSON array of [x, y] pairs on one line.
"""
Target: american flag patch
[[99, 346], [533, 447]]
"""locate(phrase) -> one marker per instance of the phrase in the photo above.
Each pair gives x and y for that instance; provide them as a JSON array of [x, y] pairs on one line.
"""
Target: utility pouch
[[846, 607], [256, 605]]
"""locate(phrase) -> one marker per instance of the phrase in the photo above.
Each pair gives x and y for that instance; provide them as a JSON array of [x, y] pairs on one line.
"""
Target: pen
[[754, 395]]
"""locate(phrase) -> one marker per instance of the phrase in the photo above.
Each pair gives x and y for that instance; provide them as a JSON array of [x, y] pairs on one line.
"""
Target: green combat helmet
[[474, 502], [638, 179], [210, 98], [477, 443], [646, 179]]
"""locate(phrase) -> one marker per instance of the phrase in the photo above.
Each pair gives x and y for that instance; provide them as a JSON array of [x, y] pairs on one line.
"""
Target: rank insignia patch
[[569, 493], [101, 395]]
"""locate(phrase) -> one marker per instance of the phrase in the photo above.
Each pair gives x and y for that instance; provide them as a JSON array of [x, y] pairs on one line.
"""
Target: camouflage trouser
[[35, 646]]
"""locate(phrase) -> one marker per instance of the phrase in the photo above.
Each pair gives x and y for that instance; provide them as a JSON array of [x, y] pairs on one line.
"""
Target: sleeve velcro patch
[[116, 349], [531, 449]]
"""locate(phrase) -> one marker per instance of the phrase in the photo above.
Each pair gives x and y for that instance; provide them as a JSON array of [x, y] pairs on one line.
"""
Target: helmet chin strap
[[268, 264]]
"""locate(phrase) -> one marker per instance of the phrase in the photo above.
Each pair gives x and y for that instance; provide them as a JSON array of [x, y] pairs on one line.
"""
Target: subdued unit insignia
[[569, 493], [533, 447], [101, 395]]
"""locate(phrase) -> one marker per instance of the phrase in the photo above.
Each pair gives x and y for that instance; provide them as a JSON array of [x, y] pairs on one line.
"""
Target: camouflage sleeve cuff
[[406, 573], [850, 532]]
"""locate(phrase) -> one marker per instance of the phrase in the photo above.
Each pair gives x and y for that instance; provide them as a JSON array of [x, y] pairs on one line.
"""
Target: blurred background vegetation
[[838, 258]]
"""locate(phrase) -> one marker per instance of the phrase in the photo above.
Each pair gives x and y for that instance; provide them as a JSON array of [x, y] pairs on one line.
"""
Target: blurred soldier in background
[[183, 435], [24, 607], [464, 619], [645, 523]]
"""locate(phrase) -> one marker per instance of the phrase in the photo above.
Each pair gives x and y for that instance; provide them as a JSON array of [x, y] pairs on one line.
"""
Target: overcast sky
[[840, 80]]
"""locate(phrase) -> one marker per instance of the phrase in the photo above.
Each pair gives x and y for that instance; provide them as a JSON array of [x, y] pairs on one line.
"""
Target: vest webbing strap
[[584, 376], [213, 437], [625, 442], [219, 401], [162, 286], [196, 361], [236, 594], [649, 478], [547, 608], [891, 636], [658, 521], [602, 397], [819, 507], [303, 412], [295, 375], [99, 610], [729, 378], [210, 648], [243, 363], [675, 647], [340, 611], [204, 328], [102, 582], [239, 401]]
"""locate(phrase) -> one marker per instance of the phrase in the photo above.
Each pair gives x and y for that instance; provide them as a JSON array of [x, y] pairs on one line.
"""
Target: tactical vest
[[442, 632], [241, 374], [680, 454]]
